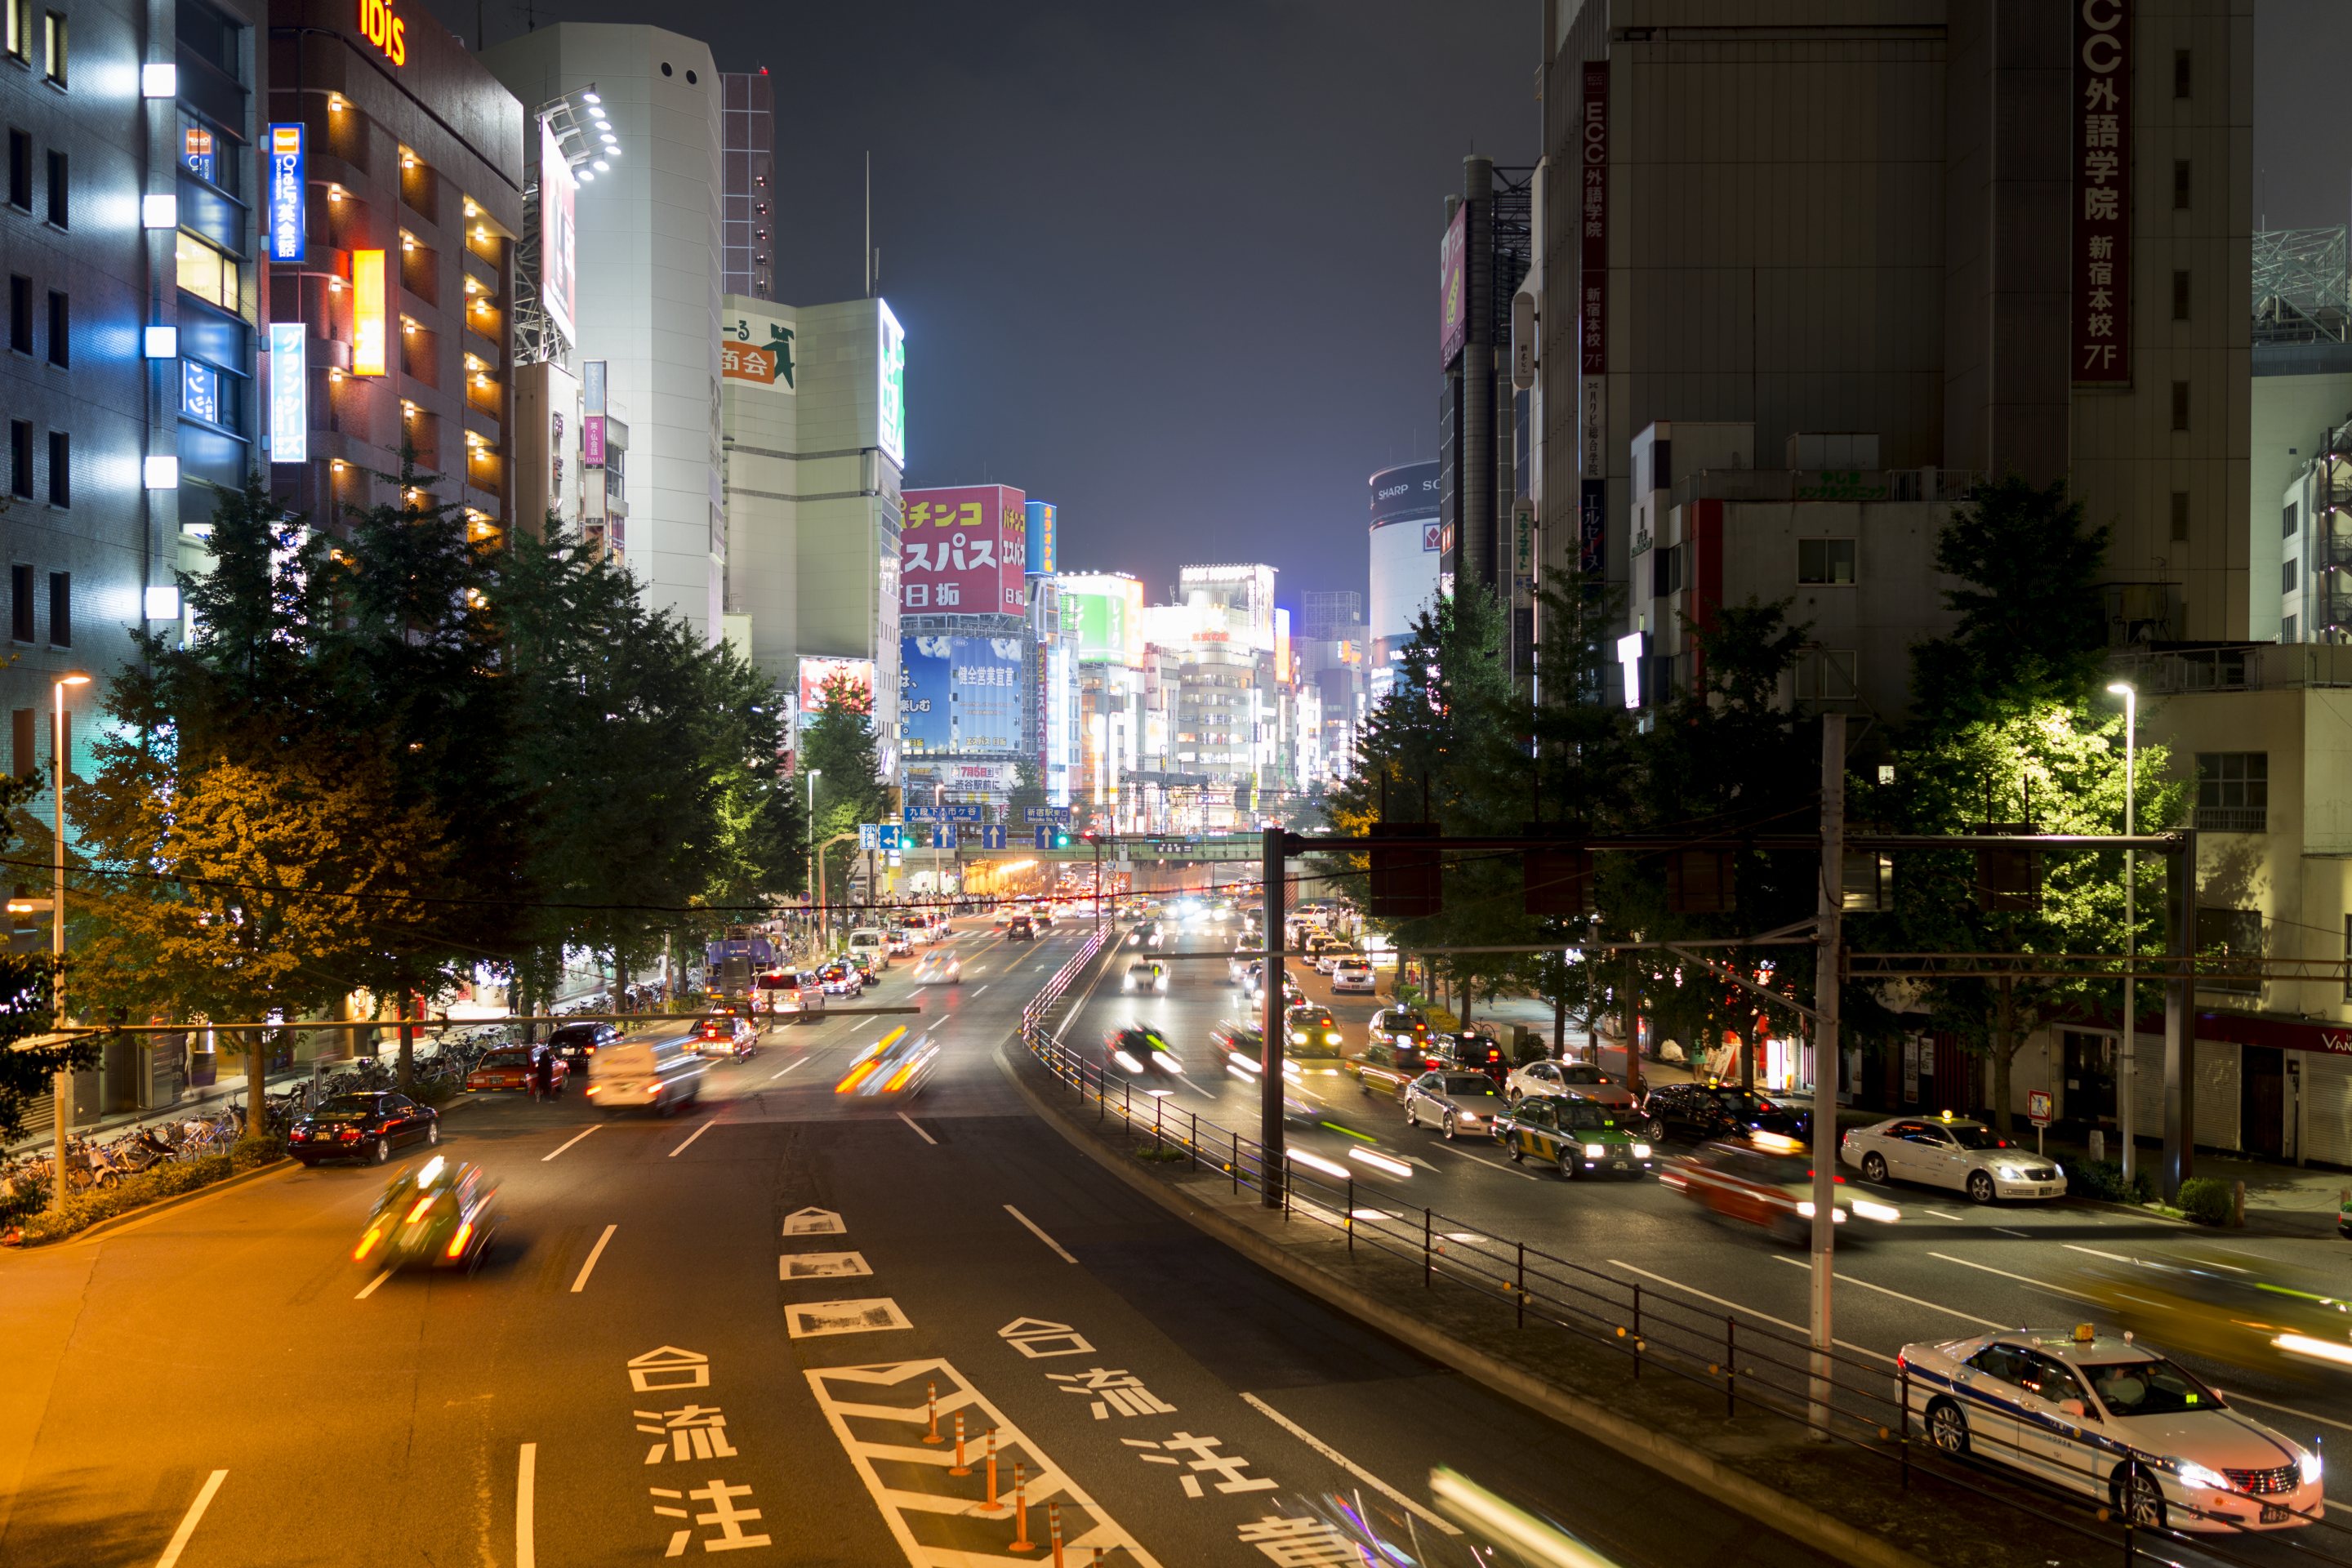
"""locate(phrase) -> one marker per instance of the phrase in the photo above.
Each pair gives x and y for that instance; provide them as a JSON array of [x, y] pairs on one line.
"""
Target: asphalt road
[[1949, 1269], [721, 1331]]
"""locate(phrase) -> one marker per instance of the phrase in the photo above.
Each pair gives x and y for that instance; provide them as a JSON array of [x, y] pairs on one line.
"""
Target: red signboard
[[1592, 219], [1454, 288], [2102, 194], [962, 550]]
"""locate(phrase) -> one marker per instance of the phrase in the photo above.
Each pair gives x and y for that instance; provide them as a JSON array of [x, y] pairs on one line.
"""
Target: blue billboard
[[282, 215], [960, 695], [1040, 557]]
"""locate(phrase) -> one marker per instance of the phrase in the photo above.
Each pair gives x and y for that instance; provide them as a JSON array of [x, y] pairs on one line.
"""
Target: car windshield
[[1468, 1083], [1584, 1116], [1975, 1135], [1312, 1017], [2150, 1387], [507, 1059], [347, 1107], [1581, 1072], [1743, 1101]]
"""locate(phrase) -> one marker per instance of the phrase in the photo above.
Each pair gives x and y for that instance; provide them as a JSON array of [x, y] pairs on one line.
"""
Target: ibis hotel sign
[[386, 31]]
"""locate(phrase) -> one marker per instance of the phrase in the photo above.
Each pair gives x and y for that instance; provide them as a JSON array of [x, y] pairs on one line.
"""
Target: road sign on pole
[[992, 837], [869, 835], [1044, 836], [942, 836], [887, 837]]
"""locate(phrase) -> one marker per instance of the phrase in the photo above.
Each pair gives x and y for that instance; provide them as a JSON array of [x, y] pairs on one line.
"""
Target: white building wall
[[650, 285]]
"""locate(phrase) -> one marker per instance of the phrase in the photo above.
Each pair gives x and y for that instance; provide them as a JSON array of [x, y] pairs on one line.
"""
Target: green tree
[[27, 1008], [840, 746]]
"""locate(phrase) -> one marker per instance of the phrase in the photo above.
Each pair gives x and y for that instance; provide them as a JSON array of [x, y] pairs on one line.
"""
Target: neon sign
[[385, 31]]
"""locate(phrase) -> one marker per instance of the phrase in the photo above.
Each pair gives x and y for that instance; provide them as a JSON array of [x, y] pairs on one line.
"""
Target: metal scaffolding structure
[[2303, 293]]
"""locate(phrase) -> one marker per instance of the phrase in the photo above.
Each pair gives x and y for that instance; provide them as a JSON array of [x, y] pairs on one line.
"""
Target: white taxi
[[2100, 1415], [1954, 1151]]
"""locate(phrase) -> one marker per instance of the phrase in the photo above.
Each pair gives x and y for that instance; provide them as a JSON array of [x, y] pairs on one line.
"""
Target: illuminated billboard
[[1454, 288], [559, 264], [290, 393], [960, 694], [1041, 538], [367, 312], [890, 390], [815, 672], [282, 203], [757, 349], [962, 550], [1108, 610]]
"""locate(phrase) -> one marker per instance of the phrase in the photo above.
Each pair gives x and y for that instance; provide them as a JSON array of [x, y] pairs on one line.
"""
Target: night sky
[[1173, 267]]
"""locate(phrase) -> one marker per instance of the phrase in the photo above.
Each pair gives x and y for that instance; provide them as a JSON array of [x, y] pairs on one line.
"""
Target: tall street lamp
[[64, 1112], [816, 865], [2124, 1118]]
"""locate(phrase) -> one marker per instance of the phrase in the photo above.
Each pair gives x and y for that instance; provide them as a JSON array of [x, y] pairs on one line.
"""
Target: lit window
[[200, 389], [54, 38]]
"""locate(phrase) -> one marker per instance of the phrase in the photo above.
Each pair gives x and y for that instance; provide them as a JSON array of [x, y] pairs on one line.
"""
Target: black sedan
[[366, 1126], [575, 1043], [1703, 1111]]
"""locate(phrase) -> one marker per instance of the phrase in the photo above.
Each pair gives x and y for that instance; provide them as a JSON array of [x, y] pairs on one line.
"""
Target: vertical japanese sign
[[290, 393], [367, 312], [2103, 148], [592, 424], [558, 236], [1592, 324], [962, 550], [890, 386], [283, 202], [1454, 288], [1041, 537]]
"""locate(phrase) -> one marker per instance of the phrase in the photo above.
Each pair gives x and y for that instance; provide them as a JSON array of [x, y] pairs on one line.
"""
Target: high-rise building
[[1997, 238], [747, 230], [1484, 257], [649, 287]]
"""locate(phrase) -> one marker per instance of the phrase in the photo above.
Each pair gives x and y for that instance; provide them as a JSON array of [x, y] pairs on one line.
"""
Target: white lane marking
[[2006, 1231], [526, 1498], [1496, 1164], [774, 1076], [1040, 1235], [1933, 1306], [1940, 1213], [2289, 1410], [1988, 1269], [567, 1143], [919, 1132], [369, 1289], [977, 992], [690, 1138], [594, 1252], [2094, 1252], [1797, 1329], [195, 1513], [1345, 1463]]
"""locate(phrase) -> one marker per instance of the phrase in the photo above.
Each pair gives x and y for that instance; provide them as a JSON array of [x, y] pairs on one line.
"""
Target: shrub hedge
[[2206, 1200], [86, 1209]]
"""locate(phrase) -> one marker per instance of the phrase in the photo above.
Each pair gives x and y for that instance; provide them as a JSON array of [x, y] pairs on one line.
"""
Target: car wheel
[[1411, 1117], [1568, 1169], [1947, 1429], [308, 1164], [1511, 1147], [432, 1132], [1981, 1186], [1874, 1167], [1449, 1125], [380, 1150], [2139, 1500]]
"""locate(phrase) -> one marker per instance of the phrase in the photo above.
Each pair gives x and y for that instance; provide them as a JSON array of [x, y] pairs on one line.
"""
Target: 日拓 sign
[[283, 204]]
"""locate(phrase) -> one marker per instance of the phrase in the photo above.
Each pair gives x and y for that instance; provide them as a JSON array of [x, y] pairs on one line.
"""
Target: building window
[[20, 314], [2287, 523], [20, 169], [20, 602], [2180, 184], [23, 726], [2180, 73], [61, 330], [60, 468], [1826, 674], [2230, 948], [53, 41], [61, 609], [2180, 296], [1825, 560], [207, 393], [2286, 576], [58, 188], [206, 273], [2286, 628], [1665, 570], [2181, 517], [2180, 406], [20, 458], [2233, 791], [20, 29]]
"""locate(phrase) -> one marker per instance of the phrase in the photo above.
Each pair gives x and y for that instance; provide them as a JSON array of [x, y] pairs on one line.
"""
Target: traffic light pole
[[1274, 1165], [1828, 931]]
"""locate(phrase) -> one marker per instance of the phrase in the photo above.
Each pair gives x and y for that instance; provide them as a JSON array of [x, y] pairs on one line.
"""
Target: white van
[[662, 1071], [871, 941]]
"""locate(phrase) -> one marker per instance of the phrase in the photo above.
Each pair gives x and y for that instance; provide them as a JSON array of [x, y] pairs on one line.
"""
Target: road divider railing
[[1875, 1405]]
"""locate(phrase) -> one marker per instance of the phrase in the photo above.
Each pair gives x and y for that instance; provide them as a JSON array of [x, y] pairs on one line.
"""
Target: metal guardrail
[[1758, 1369]]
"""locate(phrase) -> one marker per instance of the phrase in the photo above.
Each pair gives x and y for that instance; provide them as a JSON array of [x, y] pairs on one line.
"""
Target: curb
[[164, 1205], [1775, 1510]]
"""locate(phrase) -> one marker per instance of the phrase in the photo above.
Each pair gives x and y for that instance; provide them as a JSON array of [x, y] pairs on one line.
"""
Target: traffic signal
[[1061, 838], [1404, 883], [2007, 880], [1702, 881], [1557, 879]]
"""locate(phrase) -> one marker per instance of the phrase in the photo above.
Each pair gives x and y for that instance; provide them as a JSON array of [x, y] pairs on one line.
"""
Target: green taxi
[[1581, 1137]]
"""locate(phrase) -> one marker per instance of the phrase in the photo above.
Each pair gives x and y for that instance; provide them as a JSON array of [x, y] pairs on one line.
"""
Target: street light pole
[[63, 1111], [816, 862], [2127, 1089], [1830, 907]]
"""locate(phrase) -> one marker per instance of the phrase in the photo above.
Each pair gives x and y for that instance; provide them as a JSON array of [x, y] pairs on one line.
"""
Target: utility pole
[[1827, 965], [2125, 1100], [1273, 1169]]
